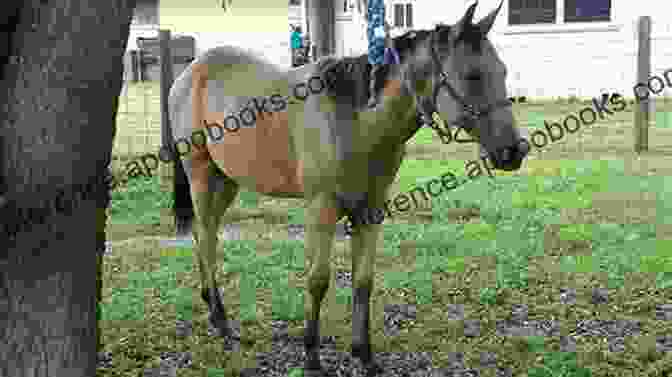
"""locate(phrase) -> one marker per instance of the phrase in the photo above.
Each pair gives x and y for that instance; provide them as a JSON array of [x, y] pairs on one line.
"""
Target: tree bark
[[322, 27], [61, 78]]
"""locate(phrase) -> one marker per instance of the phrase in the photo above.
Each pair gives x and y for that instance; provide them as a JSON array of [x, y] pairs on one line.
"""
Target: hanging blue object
[[375, 31]]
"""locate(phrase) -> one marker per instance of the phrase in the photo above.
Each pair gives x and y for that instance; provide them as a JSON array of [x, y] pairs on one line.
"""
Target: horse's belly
[[258, 156]]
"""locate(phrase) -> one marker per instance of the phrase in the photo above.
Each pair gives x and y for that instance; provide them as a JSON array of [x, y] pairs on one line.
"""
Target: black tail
[[183, 207]]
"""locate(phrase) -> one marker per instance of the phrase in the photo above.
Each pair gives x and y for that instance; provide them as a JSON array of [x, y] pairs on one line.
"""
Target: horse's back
[[243, 95], [233, 76]]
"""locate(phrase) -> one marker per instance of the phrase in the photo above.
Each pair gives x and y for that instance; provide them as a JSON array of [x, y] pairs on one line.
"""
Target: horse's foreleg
[[321, 219], [363, 258], [354, 204]]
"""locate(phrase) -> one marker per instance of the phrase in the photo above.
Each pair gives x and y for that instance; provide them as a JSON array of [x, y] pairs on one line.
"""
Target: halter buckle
[[471, 111]]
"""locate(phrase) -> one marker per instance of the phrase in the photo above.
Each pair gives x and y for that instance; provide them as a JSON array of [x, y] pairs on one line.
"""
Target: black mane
[[348, 77], [406, 43]]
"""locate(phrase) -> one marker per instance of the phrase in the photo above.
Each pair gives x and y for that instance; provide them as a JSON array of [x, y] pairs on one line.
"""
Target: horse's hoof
[[234, 334], [229, 336], [372, 369], [313, 372], [225, 332], [362, 353], [217, 331]]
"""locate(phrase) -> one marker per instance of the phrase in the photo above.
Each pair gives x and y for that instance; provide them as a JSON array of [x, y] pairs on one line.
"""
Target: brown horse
[[328, 148]]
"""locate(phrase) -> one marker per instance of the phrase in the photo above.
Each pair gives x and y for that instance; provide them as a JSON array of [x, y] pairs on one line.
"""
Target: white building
[[260, 26], [553, 48]]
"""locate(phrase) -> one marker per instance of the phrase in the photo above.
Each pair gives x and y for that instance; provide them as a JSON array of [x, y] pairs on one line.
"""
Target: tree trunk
[[58, 101], [322, 27]]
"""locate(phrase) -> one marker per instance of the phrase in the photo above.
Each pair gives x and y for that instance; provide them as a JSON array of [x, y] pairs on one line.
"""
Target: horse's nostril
[[506, 154], [523, 147]]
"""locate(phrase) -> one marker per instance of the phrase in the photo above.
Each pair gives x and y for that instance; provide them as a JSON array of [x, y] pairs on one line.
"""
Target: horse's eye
[[444, 35], [473, 77]]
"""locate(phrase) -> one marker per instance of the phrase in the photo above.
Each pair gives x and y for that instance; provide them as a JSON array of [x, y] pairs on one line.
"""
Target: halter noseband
[[427, 110]]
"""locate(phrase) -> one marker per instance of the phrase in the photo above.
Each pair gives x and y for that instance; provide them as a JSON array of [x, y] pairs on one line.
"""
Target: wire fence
[[139, 110], [138, 120]]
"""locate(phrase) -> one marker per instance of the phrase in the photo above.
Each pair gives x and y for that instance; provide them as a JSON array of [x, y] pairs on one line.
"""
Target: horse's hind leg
[[212, 194], [363, 258], [322, 215]]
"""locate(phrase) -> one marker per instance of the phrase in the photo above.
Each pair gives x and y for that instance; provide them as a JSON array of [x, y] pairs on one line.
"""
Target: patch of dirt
[[119, 232], [625, 207], [286, 348], [556, 246]]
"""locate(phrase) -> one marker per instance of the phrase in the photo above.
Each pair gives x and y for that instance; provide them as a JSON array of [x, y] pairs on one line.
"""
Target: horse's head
[[469, 81]]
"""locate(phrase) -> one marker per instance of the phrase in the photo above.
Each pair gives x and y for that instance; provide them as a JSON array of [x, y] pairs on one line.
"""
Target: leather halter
[[427, 109]]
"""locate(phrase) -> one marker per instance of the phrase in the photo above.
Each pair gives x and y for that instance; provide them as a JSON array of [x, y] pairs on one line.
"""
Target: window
[[526, 12], [409, 15], [530, 12], [587, 11], [400, 16], [294, 2]]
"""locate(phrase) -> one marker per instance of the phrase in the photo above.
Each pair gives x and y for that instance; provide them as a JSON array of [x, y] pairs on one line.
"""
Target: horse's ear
[[466, 20], [486, 23], [362, 8]]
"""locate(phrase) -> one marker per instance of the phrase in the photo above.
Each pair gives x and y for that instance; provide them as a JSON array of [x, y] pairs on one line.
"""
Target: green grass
[[130, 205], [416, 173], [663, 119], [424, 136], [489, 262], [513, 211]]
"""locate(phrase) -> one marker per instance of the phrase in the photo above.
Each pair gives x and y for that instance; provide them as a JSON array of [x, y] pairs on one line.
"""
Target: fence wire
[[138, 120]]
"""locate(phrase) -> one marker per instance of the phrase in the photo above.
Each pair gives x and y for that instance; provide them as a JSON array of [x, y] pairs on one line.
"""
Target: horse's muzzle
[[510, 158]]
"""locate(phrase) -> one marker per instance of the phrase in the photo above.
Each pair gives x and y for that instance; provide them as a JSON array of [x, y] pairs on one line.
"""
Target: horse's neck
[[391, 124]]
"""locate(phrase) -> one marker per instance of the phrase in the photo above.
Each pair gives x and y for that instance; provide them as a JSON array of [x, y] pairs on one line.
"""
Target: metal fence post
[[165, 82], [135, 65], [642, 109]]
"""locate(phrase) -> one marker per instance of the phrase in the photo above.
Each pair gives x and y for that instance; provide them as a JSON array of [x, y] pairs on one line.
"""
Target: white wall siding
[[560, 65], [581, 59], [545, 61], [661, 48], [560, 60], [272, 46]]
